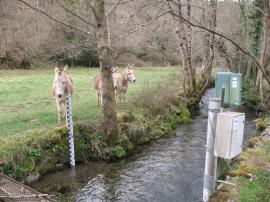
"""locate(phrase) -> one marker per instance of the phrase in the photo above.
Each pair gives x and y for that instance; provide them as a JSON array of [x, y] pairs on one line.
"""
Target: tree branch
[[142, 25], [76, 15], [115, 5], [53, 18], [244, 50]]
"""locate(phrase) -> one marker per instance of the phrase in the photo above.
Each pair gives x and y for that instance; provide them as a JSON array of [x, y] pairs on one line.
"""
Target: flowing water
[[167, 170]]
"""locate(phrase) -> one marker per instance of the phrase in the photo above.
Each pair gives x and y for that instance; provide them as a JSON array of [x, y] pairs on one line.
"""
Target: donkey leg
[[98, 95], [115, 96], [122, 97], [119, 97], [58, 111], [101, 99], [64, 109]]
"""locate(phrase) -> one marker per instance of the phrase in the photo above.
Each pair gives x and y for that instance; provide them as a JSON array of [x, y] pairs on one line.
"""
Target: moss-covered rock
[[242, 170]]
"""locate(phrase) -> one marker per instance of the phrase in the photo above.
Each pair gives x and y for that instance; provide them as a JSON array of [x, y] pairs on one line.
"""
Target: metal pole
[[69, 123], [217, 159], [222, 98], [210, 160]]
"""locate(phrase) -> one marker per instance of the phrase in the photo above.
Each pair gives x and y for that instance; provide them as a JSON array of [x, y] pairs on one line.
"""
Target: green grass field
[[26, 101]]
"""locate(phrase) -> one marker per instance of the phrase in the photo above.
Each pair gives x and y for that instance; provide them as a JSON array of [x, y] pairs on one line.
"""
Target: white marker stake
[[69, 123]]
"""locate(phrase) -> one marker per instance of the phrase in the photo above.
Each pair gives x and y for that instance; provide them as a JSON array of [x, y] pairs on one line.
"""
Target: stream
[[166, 170]]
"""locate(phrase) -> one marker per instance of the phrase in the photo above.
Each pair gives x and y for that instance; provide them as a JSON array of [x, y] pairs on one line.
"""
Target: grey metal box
[[229, 134]]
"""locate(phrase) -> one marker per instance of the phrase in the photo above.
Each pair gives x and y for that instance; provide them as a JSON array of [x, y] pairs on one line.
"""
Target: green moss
[[167, 128], [41, 150], [61, 130], [126, 144], [157, 132], [262, 124], [242, 170], [144, 139], [126, 117], [185, 120], [118, 151], [253, 141], [184, 112]]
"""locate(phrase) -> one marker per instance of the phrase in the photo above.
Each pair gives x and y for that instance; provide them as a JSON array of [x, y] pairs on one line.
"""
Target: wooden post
[[210, 160], [69, 123]]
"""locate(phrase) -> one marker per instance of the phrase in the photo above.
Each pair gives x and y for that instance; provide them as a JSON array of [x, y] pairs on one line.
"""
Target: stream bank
[[168, 169]]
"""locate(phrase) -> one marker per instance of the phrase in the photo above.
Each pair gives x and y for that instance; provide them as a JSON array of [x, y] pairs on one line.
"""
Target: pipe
[[210, 160]]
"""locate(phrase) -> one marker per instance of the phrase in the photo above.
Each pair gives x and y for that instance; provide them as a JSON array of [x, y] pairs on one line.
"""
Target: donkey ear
[[131, 66], [114, 69], [56, 69], [65, 68]]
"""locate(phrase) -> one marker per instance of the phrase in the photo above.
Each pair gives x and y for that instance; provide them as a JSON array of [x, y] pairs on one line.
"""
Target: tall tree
[[265, 44], [184, 34], [209, 18], [97, 7], [109, 120]]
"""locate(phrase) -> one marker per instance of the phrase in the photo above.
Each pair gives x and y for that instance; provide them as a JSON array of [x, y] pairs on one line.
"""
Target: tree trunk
[[208, 41], [243, 36], [109, 120], [184, 34], [264, 46]]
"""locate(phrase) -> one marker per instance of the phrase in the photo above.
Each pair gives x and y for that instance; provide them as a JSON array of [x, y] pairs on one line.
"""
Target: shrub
[[251, 94], [262, 124], [160, 97], [26, 63], [6, 62]]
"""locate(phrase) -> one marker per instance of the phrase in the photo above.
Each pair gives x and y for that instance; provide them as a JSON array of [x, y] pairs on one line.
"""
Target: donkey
[[122, 80], [62, 86], [98, 84]]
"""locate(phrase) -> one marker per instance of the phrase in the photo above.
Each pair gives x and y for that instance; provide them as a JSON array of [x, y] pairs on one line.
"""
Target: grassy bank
[[31, 145], [251, 173], [26, 100]]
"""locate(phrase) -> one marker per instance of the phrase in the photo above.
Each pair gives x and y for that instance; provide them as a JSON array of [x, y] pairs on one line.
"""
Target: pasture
[[26, 100]]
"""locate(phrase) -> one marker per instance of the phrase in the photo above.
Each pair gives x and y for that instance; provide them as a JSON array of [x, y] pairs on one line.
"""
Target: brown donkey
[[98, 84], [61, 87], [121, 82]]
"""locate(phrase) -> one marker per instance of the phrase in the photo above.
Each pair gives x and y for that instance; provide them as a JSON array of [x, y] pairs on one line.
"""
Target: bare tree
[[208, 40], [109, 122], [228, 38], [184, 33]]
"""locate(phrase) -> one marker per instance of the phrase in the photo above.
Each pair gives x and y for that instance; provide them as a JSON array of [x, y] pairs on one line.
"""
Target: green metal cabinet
[[233, 87]]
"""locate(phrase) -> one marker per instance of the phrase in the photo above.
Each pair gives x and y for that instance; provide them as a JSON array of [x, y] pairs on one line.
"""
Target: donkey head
[[60, 81], [129, 73]]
